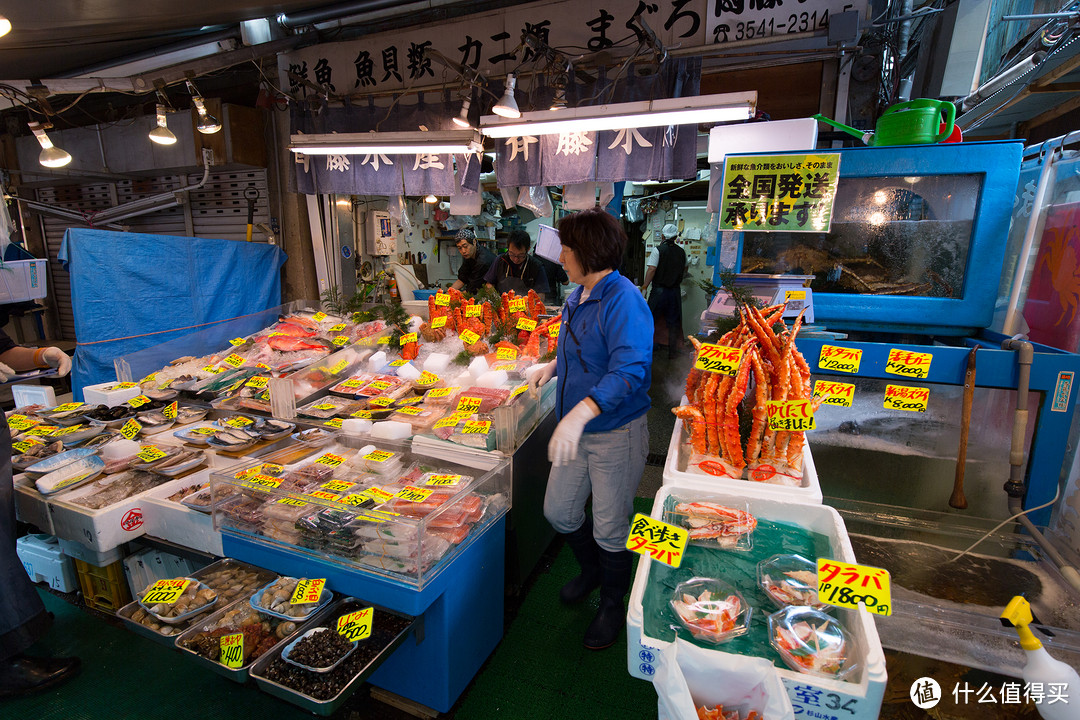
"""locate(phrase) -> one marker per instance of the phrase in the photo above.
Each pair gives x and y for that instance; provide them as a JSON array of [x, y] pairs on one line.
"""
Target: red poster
[[1052, 310]]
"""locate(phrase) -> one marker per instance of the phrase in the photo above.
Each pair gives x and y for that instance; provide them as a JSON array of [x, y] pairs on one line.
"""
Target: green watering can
[[916, 122]]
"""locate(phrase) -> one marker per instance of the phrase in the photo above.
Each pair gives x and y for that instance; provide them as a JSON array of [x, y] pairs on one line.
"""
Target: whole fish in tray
[[180, 463], [232, 439], [154, 422]]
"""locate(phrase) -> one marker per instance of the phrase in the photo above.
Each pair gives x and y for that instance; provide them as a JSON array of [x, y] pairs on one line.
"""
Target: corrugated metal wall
[[217, 210]]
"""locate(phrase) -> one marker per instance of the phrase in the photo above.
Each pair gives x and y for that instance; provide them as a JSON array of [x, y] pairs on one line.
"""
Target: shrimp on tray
[[729, 527]]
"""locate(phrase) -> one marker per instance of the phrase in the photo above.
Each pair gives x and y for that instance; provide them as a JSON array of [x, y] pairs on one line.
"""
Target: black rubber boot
[[614, 585], [587, 553], [24, 675]]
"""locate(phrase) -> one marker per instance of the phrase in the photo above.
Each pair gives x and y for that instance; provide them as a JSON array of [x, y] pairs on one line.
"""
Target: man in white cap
[[665, 270]]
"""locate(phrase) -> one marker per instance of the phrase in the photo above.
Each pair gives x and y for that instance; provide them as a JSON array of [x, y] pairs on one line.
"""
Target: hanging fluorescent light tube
[[725, 107], [438, 142], [51, 156]]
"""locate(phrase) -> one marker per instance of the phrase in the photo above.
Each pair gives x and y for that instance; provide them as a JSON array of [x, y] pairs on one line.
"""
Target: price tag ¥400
[[232, 650], [659, 540], [355, 625]]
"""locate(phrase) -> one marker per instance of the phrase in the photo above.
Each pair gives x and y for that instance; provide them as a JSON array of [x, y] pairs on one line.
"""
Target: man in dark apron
[[516, 270], [23, 618], [665, 269]]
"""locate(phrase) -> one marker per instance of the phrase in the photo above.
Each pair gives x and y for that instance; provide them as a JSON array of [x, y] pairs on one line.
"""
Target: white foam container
[[863, 696], [31, 506], [178, 523], [79, 551], [97, 395], [45, 561], [810, 492]]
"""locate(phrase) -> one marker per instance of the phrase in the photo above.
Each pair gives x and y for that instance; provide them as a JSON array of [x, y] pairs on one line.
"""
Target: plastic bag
[[633, 211], [399, 210], [579, 197], [536, 200], [688, 677], [508, 196]]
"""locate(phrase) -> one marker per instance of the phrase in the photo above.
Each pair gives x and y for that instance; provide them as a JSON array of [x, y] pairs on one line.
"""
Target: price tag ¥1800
[[846, 585], [659, 540]]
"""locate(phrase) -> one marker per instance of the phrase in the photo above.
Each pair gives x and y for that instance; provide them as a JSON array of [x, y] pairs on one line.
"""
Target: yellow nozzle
[[1018, 612]]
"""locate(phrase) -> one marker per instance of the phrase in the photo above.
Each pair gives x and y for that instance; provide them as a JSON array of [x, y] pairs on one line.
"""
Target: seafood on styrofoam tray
[[710, 609], [730, 528], [770, 368], [812, 642], [790, 580]]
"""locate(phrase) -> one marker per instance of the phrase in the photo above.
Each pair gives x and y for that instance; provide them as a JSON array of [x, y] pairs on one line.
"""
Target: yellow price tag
[[234, 360], [24, 445], [338, 367], [355, 500], [427, 378], [292, 501], [379, 456], [213, 369], [909, 364], [308, 591], [527, 324], [21, 422], [378, 494], [408, 338], [901, 397], [439, 322], [382, 401], [170, 410], [341, 340], [199, 431], [138, 401], [123, 386], [232, 650], [356, 625], [469, 337], [337, 486], [448, 421], [468, 404], [362, 414], [337, 328], [71, 481], [165, 591], [442, 392], [149, 378], [442, 300], [839, 359], [834, 393], [659, 540], [68, 407], [553, 329], [68, 430], [790, 415], [319, 316], [131, 428], [324, 406], [519, 389], [258, 382], [150, 453], [237, 341], [399, 363], [443, 480], [329, 460], [413, 494], [505, 353], [384, 340], [239, 421], [323, 495], [334, 423], [474, 311], [416, 400], [719, 359], [42, 430], [476, 427], [410, 411], [353, 382], [518, 305], [264, 481], [794, 295], [846, 585]]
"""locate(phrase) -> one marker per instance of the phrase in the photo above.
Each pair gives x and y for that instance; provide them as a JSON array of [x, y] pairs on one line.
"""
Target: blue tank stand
[[460, 612], [1053, 375]]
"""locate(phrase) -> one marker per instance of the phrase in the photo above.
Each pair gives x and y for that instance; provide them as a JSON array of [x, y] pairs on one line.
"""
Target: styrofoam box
[[149, 565], [178, 523], [810, 492], [97, 395], [863, 696], [31, 506], [77, 550], [45, 561], [22, 280]]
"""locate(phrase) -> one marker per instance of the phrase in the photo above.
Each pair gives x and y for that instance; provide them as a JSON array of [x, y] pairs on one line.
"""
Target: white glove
[[563, 445], [58, 359], [6, 373], [538, 376]]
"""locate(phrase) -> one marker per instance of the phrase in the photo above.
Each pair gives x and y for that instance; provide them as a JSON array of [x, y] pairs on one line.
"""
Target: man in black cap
[[665, 270], [477, 260]]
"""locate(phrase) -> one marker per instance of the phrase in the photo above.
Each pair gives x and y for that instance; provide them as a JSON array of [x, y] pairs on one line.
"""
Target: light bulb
[[5, 26], [462, 118], [51, 156], [507, 107], [431, 199], [161, 134]]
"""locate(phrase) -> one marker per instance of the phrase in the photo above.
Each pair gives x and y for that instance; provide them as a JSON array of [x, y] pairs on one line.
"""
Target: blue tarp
[[131, 291]]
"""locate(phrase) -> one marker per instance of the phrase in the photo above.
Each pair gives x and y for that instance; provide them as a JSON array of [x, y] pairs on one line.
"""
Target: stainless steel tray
[[325, 616]]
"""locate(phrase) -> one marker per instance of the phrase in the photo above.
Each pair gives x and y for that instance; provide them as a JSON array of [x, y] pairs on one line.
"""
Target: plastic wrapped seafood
[[110, 489], [789, 580], [421, 418], [490, 398], [710, 610], [70, 476], [469, 506], [442, 396], [475, 430], [327, 407], [380, 462], [812, 642], [728, 527]]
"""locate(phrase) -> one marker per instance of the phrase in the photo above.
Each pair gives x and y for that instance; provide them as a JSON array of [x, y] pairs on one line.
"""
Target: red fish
[[290, 328], [287, 343]]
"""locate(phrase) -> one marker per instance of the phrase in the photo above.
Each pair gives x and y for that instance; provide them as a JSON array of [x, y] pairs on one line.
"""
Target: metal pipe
[[332, 12], [904, 34], [1039, 16], [152, 203], [226, 34], [1003, 78]]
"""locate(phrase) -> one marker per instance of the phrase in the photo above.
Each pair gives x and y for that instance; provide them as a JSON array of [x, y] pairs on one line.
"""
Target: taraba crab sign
[[657, 539], [846, 585]]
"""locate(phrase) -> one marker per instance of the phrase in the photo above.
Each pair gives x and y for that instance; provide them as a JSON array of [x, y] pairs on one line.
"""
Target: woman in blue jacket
[[599, 447]]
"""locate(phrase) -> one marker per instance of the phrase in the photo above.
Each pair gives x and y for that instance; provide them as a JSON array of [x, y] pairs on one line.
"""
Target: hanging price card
[[660, 541], [232, 650], [239, 421], [264, 481], [353, 382], [257, 382], [337, 486], [476, 427], [908, 363], [138, 401], [213, 369], [150, 453], [474, 311], [553, 329], [341, 340], [170, 410], [834, 393], [506, 353], [719, 359], [308, 591], [21, 422], [384, 340], [292, 501], [426, 378], [337, 328], [237, 341], [399, 363], [67, 407], [519, 389], [379, 456], [468, 337], [442, 392], [439, 322], [518, 305], [846, 585], [901, 397], [468, 404], [329, 460], [791, 415], [334, 423], [414, 411], [443, 480], [442, 300], [42, 430], [323, 495], [839, 359], [123, 386], [362, 414], [408, 338], [319, 316], [234, 360], [527, 324], [355, 625], [413, 494], [165, 591], [382, 401], [338, 367], [24, 445]]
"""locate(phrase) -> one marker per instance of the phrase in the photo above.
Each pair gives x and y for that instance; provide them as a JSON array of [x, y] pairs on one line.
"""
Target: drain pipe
[[1015, 485]]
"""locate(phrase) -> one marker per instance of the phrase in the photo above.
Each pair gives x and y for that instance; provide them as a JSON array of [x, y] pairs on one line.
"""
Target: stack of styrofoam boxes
[[45, 561], [178, 523], [863, 695], [149, 565]]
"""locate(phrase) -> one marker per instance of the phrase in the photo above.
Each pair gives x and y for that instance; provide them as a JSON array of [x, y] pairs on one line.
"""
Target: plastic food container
[[57, 461], [173, 620], [728, 526], [70, 475], [710, 609], [789, 580], [809, 641], [287, 650], [310, 608]]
